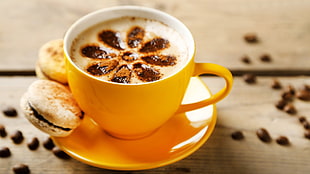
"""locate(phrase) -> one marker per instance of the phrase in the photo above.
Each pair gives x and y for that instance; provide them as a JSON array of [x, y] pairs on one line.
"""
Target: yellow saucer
[[182, 135]]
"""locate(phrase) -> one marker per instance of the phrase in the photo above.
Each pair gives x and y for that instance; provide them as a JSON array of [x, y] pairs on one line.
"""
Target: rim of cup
[[109, 13]]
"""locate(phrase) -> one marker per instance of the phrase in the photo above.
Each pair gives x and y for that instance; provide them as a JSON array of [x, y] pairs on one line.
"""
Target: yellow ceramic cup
[[132, 111]]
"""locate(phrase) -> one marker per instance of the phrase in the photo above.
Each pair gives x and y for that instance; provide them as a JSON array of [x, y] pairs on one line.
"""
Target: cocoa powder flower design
[[133, 56]]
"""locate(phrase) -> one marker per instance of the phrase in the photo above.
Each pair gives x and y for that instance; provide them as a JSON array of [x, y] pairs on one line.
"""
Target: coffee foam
[[153, 29]]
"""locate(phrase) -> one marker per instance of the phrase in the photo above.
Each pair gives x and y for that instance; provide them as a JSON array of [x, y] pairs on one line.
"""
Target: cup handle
[[210, 68]]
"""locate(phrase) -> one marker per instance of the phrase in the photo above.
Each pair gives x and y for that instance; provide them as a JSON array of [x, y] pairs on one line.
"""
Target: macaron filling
[[41, 118]]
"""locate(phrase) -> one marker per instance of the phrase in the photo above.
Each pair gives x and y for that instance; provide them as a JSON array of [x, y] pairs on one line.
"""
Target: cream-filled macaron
[[50, 106], [51, 62]]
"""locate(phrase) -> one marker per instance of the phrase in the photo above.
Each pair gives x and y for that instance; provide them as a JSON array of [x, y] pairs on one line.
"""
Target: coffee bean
[[276, 84], [21, 169], [265, 58], [48, 144], [306, 125], [246, 59], [282, 140], [3, 132], [281, 104], [290, 109], [250, 38], [263, 135], [288, 96], [237, 135], [303, 95], [249, 78], [17, 137], [5, 152], [59, 153], [290, 89], [33, 144], [10, 112], [306, 87], [302, 119], [307, 134]]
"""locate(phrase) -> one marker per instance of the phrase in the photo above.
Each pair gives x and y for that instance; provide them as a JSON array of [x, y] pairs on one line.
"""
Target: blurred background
[[218, 27], [282, 29]]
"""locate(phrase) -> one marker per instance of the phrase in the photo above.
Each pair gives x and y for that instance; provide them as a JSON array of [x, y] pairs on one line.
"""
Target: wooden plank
[[41, 160], [247, 108], [281, 27], [218, 28]]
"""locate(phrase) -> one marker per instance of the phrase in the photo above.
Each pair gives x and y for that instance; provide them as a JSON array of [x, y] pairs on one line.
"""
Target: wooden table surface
[[283, 30]]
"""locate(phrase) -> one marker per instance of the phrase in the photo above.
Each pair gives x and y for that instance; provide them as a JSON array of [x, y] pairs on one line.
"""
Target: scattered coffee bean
[[245, 59], [302, 119], [33, 144], [290, 89], [48, 144], [265, 58], [59, 153], [237, 135], [21, 169], [307, 134], [306, 87], [303, 95], [290, 109], [276, 84], [282, 140], [3, 132], [306, 125], [10, 112], [281, 104], [5, 152], [17, 137], [249, 78], [250, 38], [263, 135], [288, 96]]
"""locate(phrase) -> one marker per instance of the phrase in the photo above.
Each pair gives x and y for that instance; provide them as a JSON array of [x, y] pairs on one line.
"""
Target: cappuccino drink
[[129, 50]]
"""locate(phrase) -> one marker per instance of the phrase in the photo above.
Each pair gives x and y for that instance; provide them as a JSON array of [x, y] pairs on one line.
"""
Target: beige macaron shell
[[43, 126], [39, 73], [55, 103], [52, 62]]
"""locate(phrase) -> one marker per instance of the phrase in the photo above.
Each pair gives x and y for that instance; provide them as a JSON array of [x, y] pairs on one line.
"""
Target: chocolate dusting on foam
[[155, 45], [140, 56], [135, 36], [41, 118], [111, 38]]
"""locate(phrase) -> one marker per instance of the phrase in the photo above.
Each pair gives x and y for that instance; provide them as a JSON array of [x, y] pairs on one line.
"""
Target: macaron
[[39, 73], [51, 62], [50, 107]]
